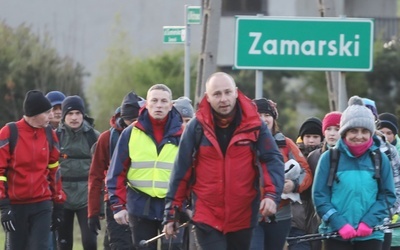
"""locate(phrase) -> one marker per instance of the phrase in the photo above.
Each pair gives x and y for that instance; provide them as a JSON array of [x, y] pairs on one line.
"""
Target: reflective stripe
[[148, 184], [3, 178], [151, 164], [53, 165]]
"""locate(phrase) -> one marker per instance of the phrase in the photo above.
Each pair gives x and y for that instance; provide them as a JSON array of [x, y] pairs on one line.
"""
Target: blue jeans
[[294, 232]]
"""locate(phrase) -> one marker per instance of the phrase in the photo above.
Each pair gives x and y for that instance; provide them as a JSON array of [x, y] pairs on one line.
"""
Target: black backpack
[[14, 136]]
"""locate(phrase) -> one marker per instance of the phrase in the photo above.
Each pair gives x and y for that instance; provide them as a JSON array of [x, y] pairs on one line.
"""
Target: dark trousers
[[208, 238], [32, 224], [356, 245], [294, 232], [66, 231], [270, 236], [144, 229], [119, 236]]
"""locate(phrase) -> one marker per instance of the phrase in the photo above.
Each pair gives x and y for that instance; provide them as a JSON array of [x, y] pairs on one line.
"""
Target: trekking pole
[[322, 236], [145, 243]]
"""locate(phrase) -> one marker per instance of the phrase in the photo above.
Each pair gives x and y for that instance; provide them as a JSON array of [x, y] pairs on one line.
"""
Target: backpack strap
[[91, 137], [114, 136], [377, 160], [334, 160], [49, 135], [12, 140], [198, 136]]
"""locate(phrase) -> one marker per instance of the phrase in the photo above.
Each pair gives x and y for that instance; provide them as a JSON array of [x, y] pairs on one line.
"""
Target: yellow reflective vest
[[149, 171]]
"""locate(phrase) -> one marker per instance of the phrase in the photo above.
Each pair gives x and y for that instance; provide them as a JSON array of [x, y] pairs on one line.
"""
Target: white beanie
[[356, 116]]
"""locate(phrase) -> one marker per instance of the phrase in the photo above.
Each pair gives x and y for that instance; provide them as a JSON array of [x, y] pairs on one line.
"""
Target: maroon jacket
[[99, 167]]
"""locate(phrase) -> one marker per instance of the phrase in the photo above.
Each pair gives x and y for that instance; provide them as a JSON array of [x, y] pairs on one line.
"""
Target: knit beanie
[[331, 119], [388, 120], [184, 106], [35, 103], [55, 97], [356, 115], [371, 105], [265, 106], [311, 126], [72, 103], [131, 105]]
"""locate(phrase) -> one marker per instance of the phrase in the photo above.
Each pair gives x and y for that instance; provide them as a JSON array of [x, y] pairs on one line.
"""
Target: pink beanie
[[331, 119]]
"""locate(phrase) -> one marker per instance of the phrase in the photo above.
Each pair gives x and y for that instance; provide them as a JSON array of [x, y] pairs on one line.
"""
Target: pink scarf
[[360, 149]]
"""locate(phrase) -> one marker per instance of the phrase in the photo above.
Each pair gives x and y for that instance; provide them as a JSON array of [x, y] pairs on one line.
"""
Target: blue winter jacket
[[355, 195]]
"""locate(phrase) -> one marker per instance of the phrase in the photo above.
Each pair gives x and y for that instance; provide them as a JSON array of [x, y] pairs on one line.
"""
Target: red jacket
[[99, 167], [30, 174], [226, 189]]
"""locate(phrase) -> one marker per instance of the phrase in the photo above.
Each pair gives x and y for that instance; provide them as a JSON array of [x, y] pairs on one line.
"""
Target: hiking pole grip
[[145, 243]]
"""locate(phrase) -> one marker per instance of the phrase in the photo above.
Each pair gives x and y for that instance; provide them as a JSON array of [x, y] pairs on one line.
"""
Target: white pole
[[259, 84], [187, 56]]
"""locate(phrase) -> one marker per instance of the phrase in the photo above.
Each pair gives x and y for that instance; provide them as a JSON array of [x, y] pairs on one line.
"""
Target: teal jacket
[[355, 196]]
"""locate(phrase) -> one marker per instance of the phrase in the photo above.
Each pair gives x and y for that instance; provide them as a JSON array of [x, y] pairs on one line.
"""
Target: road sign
[[193, 15], [331, 44], [174, 34]]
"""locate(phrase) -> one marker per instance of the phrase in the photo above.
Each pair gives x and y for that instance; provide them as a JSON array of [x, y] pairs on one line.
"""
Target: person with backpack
[[271, 235], [393, 155], [31, 196], [119, 236], [330, 129], [220, 169], [387, 124], [360, 192], [310, 138], [137, 179], [76, 135]]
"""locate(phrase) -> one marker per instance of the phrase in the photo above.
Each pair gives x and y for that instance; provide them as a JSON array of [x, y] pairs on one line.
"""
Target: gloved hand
[[122, 217], [395, 218], [94, 224], [363, 230], [57, 216], [7, 217], [347, 232]]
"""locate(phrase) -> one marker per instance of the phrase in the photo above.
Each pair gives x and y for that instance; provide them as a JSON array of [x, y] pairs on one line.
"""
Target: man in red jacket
[[119, 236], [29, 184], [224, 180]]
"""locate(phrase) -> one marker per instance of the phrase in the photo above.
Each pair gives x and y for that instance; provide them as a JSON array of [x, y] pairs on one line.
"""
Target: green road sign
[[332, 44], [174, 34], [193, 15]]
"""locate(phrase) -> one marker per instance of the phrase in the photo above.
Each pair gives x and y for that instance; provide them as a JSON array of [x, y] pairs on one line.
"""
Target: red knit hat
[[331, 119]]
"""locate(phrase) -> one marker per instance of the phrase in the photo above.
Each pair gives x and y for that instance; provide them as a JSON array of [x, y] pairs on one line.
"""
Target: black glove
[[57, 218], [94, 224], [7, 217]]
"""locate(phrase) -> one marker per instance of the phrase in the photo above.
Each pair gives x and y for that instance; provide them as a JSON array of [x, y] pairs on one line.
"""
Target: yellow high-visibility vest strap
[[3, 178], [53, 165], [150, 171]]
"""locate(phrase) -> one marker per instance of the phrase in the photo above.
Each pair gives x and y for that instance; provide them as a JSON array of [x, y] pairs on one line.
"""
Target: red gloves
[[347, 232], [363, 230]]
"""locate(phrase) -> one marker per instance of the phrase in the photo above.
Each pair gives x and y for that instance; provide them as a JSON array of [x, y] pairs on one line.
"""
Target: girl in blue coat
[[358, 199]]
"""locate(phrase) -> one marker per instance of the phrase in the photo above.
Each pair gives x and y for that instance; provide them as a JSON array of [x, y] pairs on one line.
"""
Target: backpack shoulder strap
[[114, 135], [91, 137], [198, 135], [377, 160], [49, 135], [13, 136], [334, 160]]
